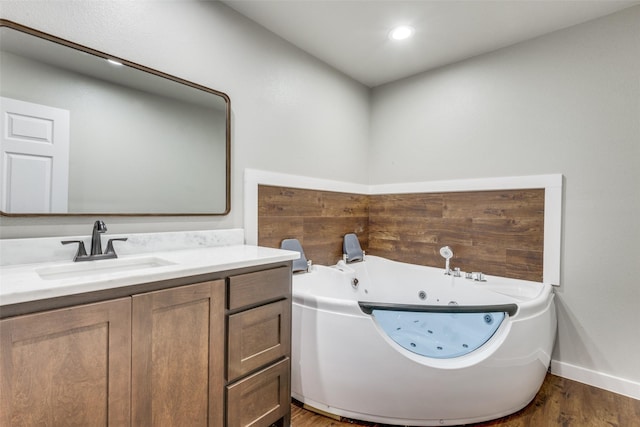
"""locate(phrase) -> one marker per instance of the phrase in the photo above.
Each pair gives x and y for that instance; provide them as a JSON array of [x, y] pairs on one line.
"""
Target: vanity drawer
[[260, 399], [261, 286], [258, 337]]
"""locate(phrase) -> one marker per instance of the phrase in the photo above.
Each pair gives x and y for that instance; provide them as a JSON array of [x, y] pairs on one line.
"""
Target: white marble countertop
[[30, 282]]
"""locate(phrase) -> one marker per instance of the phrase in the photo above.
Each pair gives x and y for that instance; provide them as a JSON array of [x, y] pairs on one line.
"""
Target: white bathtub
[[345, 364]]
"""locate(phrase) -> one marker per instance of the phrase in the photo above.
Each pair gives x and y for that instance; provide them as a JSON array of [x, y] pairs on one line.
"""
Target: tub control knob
[[478, 276], [456, 272]]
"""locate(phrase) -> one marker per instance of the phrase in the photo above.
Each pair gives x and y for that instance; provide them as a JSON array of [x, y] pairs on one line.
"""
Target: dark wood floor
[[560, 402]]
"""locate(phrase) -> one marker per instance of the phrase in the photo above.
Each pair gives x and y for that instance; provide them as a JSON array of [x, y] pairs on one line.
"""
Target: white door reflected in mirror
[[34, 164]]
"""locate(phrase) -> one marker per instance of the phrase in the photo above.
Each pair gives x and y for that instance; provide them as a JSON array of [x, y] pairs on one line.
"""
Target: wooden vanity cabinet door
[[258, 337], [259, 287], [261, 399], [178, 356], [67, 367]]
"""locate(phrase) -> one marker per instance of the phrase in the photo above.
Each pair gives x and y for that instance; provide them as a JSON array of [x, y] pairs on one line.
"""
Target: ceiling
[[352, 35]]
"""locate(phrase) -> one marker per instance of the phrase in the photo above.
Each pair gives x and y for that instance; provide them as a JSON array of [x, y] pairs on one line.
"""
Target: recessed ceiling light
[[402, 32], [114, 62]]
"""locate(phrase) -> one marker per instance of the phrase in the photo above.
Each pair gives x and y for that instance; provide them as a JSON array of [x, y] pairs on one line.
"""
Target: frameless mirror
[[87, 133]]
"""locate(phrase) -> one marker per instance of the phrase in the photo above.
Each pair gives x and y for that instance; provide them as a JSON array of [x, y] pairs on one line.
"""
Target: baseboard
[[596, 379]]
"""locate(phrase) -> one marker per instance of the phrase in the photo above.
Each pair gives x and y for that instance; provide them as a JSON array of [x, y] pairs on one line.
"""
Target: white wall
[[568, 103], [290, 112]]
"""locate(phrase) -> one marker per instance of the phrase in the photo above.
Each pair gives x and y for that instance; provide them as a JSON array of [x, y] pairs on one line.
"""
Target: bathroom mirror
[[87, 133]]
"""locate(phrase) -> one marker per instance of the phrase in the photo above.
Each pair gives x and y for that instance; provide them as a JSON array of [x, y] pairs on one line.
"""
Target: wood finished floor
[[560, 402]]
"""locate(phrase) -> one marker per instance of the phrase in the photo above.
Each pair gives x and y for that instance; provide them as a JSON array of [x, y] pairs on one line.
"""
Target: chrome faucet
[[99, 227]]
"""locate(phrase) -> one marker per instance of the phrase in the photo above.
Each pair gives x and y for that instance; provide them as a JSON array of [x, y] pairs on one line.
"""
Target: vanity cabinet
[[259, 348], [209, 350]]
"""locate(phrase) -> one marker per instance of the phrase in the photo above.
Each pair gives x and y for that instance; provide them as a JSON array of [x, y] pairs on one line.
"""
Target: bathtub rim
[[518, 306]]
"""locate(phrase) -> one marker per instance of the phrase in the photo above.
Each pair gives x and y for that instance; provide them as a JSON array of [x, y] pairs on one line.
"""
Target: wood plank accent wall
[[496, 232], [318, 219]]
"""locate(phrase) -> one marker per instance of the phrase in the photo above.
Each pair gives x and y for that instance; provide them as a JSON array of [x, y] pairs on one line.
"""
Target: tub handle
[[368, 307]]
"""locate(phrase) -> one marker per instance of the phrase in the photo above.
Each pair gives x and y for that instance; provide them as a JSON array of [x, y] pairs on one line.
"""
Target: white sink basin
[[99, 267]]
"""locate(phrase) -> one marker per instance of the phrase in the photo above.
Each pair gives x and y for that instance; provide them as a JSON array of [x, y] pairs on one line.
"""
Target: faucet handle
[[81, 250], [110, 249]]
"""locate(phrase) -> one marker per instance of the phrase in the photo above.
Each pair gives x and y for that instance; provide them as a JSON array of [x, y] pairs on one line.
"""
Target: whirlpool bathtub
[[397, 343]]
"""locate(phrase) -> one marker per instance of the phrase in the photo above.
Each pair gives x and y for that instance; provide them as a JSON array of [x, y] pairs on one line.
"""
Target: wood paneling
[[560, 402], [496, 232], [318, 219]]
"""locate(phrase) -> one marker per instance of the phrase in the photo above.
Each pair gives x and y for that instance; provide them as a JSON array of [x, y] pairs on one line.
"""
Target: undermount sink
[[92, 268]]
